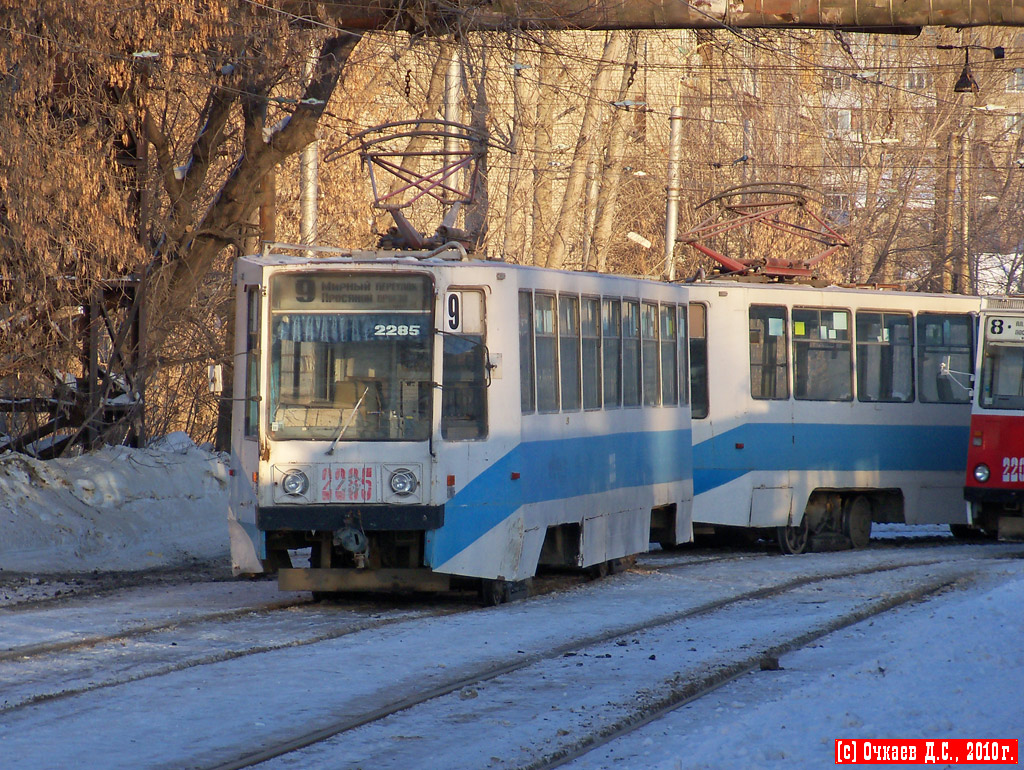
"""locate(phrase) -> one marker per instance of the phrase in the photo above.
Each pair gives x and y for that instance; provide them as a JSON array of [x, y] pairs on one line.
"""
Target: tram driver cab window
[[464, 371]]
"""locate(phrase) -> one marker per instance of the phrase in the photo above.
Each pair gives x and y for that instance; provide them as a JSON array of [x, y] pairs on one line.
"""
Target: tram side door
[[766, 450], [247, 546]]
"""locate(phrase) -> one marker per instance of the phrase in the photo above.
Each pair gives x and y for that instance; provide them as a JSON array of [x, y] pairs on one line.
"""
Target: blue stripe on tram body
[[827, 447], [557, 470]]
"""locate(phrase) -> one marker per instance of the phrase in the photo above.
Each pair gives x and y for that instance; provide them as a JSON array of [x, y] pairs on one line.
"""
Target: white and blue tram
[[421, 422], [818, 411]]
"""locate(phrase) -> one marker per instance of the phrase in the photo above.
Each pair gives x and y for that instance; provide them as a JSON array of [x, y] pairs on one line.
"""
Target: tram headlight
[[981, 473], [295, 483], [403, 482]]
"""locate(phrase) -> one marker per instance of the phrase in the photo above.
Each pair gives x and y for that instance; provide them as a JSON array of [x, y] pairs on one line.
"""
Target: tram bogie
[[423, 423]]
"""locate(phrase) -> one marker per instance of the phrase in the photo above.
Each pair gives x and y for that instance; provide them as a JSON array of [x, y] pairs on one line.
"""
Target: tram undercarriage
[[837, 520]]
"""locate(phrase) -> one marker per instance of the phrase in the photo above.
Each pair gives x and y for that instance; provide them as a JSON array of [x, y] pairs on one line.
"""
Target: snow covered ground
[[115, 509], [949, 667]]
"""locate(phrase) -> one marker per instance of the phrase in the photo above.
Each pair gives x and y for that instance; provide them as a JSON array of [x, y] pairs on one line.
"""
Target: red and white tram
[[994, 487]]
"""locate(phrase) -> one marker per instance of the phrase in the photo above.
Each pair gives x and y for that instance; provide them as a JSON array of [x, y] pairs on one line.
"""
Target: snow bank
[[114, 509]]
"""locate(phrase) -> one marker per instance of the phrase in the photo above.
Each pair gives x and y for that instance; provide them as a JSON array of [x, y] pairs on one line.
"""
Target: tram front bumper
[[349, 579], [332, 517]]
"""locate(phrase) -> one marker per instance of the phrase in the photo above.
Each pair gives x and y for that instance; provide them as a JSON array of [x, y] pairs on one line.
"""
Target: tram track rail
[[24, 653], [43, 650], [487, 673], [695, 688]]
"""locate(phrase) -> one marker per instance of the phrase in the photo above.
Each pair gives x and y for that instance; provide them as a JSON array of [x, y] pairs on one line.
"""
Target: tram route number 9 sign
[[453, 311], [1005, 328], [346, 484]]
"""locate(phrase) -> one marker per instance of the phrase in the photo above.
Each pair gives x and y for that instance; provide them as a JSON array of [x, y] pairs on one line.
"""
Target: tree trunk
[[542, 148], [611, 177], [561, 236]]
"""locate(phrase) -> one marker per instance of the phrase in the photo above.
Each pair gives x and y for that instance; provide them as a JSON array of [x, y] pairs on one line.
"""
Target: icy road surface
[[204, 674]]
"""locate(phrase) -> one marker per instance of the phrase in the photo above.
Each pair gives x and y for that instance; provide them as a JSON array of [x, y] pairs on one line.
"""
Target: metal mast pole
[[675, 151], [309, 173]]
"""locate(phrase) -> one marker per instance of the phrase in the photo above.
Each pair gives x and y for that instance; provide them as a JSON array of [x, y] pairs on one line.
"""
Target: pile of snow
[[115, 509]]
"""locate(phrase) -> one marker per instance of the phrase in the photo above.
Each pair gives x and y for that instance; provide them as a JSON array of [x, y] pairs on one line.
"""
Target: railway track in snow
[[690, 689], [66, 666], [682, 688], [41, 672], [404, 664]]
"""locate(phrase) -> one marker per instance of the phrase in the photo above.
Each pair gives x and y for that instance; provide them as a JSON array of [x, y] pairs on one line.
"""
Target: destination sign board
[[371, 292], [1004, 328]]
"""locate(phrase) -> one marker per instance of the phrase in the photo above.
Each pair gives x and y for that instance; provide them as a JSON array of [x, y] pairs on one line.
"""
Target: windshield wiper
[[348, 422]]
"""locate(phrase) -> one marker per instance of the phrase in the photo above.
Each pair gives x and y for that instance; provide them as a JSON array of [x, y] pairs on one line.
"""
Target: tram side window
[[527, 398], [464, 374], [822, 355], [769, 364], [699, 403], [591, 329], [252, 362], [885, 357], [944, 358], [683, 346], [569, 350], [631, 353], [649, 353], [669, 353], [547, 352], [611, 343]]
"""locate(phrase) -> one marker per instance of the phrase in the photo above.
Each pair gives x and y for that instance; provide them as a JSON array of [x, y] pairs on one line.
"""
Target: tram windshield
[[1002, 375], [350, 356]]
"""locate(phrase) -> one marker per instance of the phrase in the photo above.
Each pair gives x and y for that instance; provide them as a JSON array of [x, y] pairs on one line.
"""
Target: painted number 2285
[[347, 484], [1013, 469], [396, 330]]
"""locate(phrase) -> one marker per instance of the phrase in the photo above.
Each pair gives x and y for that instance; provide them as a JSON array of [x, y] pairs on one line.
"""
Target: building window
[[839, 122], [836, 81], [1015, 81], [917, 80]]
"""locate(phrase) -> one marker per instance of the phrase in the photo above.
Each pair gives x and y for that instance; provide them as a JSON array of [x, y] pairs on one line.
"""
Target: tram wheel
[[971, 533], [622, 564], [495, 592], [857, 521], [794, 540]]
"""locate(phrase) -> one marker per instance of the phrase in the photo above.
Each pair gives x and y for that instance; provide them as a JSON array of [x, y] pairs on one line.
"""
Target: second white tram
[[818, 411], [420, 422]]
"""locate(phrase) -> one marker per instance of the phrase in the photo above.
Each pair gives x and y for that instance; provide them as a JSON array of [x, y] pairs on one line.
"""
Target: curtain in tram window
[[333, 328]]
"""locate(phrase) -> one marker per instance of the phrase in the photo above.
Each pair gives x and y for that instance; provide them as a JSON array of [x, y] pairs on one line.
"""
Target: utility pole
[[309, 172], [675, 151]]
